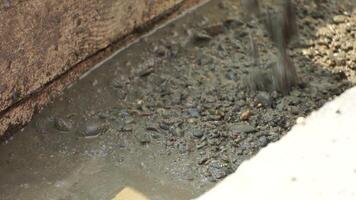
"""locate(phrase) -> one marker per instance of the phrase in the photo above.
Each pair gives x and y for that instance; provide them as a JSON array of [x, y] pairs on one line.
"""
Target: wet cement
[[171, 115]]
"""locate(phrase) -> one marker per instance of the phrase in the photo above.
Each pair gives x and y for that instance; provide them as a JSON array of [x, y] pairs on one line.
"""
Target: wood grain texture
[[41, 39], [46, 45]]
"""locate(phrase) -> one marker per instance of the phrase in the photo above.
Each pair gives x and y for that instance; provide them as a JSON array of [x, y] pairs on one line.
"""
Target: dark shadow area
[[169, 116]]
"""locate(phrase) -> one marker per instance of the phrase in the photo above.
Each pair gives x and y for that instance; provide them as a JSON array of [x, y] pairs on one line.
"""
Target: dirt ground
[[171, 115]]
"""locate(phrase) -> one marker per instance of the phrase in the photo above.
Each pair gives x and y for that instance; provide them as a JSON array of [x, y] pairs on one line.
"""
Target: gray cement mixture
[[171, 116]]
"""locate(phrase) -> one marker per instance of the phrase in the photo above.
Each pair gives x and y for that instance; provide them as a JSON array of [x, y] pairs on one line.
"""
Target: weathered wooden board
[[42, 39]]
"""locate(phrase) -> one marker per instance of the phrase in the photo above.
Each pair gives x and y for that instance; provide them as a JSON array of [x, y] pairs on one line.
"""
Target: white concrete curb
[[315, 161]]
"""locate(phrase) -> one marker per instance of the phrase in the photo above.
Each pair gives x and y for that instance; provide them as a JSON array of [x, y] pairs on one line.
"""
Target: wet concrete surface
[[323, 169], [171, 115]]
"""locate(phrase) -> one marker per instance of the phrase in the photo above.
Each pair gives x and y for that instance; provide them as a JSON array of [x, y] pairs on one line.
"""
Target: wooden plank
[[41, 39], [46, 45]]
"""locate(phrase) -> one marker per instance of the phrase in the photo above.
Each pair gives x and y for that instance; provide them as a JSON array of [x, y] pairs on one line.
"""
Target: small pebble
[[62, 124], [215, 29], [339, 19], [201, 145], [202, 37], [164, 126], [263, 141], [95, 83], [241, 128], [264, 98], [193, 112], [232, 23], [93, 130], [144, 138], [217, 170], [203, 160], [197, 133], [231, 76], [301, 120], [245, 115]]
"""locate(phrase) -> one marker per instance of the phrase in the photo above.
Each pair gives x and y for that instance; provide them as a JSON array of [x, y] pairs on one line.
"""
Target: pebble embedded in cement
[[264, 98], [94, 129], [62, 124]]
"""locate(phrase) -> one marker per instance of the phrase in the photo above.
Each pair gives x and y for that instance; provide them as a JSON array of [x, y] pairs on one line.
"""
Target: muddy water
[[171, 116]]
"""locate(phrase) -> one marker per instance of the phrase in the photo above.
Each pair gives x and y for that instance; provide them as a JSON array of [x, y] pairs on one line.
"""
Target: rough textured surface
[[312, 162], [167, 116], [42, 40]]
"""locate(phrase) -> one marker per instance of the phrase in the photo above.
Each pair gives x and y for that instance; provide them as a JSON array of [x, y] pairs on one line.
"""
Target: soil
[[172, 115]]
